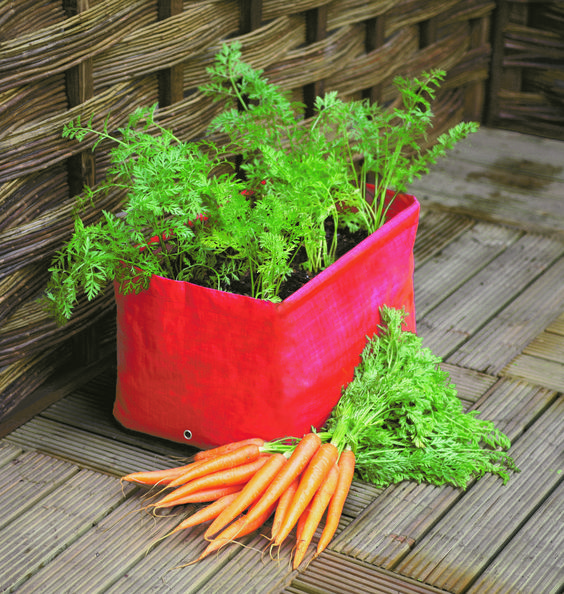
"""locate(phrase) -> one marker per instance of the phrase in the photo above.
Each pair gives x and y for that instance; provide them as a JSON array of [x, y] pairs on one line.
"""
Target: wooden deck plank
[[519, 187], [532, 561], [509, 332], [449, 269], [8, 452], [168, 568], [436, 230], [406, 512], [547, 345], [534, 155], [557, 327], [84, 448], [92, 412], [34, 539], [469, 537], [470, 384], [338, 574], [464, 312], [539, 371], [97, 560], [27, 479]]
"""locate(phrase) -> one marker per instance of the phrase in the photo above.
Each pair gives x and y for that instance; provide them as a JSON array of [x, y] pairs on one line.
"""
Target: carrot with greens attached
[[210, 512], [228, 447], [317, 508], [223, 478], [256, 486], [299, 459], [282, 506], [315, 473], [200, 468], [240, 527], [346, 473]]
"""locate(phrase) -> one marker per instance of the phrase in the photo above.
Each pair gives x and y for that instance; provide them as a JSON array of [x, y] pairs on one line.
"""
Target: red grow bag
[[207, 367]]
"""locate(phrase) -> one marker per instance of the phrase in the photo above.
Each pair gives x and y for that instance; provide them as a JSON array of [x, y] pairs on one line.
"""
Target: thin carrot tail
[[236, 529]]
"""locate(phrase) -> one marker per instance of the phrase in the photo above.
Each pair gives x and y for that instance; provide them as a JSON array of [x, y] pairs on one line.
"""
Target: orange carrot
[[346, 474], [318, 506], [301, 523], [302, 454], [206, 495], [229, 460], [282, 506], [228, 447], [222, 478], [207, 513], [154, 477], [315, 473], [252, 491], [240, 527]]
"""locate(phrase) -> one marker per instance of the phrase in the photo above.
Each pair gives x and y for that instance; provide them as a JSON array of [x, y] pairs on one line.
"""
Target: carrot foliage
[[402, 417]]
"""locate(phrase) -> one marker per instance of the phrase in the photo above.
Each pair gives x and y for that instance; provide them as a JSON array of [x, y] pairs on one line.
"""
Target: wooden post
[[500, 16], [81, 171], [427, 33], [475, 92], [250, 16], [316, 30], [81, 168], [171, 80], [374, 38]]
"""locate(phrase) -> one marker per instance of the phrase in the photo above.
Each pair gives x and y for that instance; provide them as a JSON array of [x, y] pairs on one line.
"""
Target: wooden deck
[[490, 300]]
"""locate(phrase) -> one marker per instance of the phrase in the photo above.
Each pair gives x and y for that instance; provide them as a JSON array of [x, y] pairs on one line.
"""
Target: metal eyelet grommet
[[187, 434]]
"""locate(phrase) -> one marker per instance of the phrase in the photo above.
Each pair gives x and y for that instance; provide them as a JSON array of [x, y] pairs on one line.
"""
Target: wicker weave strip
[[340, 48], [350, 12], [261, 48], [39, 145], [59, 47], [187, 34]]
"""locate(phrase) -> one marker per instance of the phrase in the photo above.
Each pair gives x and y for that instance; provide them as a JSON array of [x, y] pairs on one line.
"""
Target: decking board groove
[[511, 330], [449, 325], [532, 560], [36, 537], [87, 449], [27, 479], [445, 272]]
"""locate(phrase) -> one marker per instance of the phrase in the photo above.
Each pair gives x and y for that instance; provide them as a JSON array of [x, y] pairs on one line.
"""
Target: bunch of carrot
[[246, 482]]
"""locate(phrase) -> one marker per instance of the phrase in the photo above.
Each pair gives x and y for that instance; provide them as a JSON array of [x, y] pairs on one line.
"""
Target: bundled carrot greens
[[399, 419], [404, 420]]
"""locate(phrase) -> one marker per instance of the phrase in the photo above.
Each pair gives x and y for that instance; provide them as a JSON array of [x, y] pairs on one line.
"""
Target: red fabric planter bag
[[207, 367]]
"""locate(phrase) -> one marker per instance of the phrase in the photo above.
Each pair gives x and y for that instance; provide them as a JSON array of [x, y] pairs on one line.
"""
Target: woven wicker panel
[[64, 58], [528, 73]]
